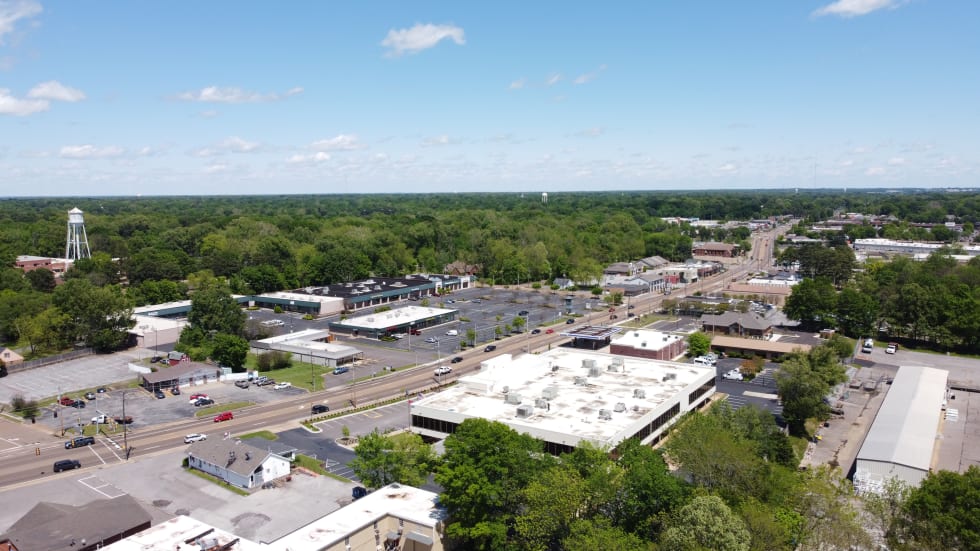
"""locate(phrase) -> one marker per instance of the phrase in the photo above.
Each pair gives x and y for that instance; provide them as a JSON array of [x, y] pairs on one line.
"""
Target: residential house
[[236, 462], [9, 357]]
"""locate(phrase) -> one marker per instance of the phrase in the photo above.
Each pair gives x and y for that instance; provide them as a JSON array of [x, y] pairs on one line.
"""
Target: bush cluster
[[274, 360]]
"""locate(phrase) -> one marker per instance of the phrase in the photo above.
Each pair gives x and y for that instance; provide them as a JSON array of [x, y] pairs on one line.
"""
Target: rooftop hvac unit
[[505, 390], [617, 361], [669, 376], [580, 381], [636, 334], [514, 398], [550, 392], [612, 367], [639, 393], [588, 363], [595, 371], [605, 414], [554, 368], [525, 411], [643, 344], [541, 403], [620, 407]]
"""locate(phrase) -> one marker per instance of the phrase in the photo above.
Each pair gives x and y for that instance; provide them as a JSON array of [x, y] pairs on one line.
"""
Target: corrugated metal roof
[[904, 431]]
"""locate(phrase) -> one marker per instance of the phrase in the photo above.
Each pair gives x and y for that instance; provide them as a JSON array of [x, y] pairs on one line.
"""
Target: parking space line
[[98, 487]]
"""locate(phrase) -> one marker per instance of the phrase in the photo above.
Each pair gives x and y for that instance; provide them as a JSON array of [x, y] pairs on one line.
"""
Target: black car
[[490, 348], [203, 402], [66, 465], [175, 391], [456, 360], [358, 492], [159, 394], [535, 331], [102, 390], [79, 442], [319, 408], [569, 321], [78, 404], [90, 396], [523, 313]]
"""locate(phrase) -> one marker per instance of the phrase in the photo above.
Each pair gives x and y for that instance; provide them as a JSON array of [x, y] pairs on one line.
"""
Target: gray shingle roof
[[746, 320], [54, 526], [219, 452]]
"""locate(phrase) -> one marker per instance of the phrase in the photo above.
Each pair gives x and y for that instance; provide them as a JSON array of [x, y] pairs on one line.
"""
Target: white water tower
[[544, 197], [76, 243]]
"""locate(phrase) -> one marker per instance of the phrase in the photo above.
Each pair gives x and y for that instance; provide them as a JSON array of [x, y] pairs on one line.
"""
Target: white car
[[704, 360], [431, 340], [452, 333], [733, 375], [443, 370], [195, 438], [280, 386], [892, 348]]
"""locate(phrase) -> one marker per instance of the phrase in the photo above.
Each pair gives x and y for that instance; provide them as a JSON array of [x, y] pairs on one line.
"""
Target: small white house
[[236, 462]]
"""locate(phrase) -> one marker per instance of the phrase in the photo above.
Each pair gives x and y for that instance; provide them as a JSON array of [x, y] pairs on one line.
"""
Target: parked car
[[66, 465], [358, 492], [733, 375], [242, 384], [175, 390], [79, 442], [319, 408], [452, 333], [102, 390], [569, 321], [612, 309], [224, 416], [67, 401], [631, 306], [80, 404], [101, 419], [340, 370], [701, 360], [127, 420], [456, 359], [195, 437], [159, 394], [892, 348], [415, 332], [490, 348], [477, 301], [280, 386], [535, 331], [443, 370], [264, 381], [523, 313], [196, 397], [432, 340], [90, 396], [203, 402]]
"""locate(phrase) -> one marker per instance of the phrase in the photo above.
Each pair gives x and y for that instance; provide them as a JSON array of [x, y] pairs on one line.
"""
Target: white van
[[273, 323], [452, 333], [869, 345]]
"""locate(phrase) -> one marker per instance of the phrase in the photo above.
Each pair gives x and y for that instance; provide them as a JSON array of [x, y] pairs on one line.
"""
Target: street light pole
[[125, 426]]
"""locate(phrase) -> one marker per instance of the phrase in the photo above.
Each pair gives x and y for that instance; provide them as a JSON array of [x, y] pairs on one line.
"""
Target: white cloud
[[854, 8], [12, 11], [233, 144], [216, 94], [554, 79], [896, 161], [341, 142], [420, 37], [215, 168], [874, 171], [593, 132], [209, 114], [10, 105], [728, 168], [518, 84], [89, 151], [54, 90], [317, 157], [589, 77]]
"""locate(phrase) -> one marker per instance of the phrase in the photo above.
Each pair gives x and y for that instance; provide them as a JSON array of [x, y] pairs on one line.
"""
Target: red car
[[226, 416], [196, 397], [67, 401], [549, 331]]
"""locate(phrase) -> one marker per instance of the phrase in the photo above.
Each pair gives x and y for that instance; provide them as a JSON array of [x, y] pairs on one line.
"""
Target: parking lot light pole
[[125, 426]]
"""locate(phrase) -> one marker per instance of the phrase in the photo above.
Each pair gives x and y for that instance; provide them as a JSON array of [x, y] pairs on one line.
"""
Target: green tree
[[942, 512], [213, 310], [857, 313], [705, 523], [828, 519], [647, 491], [485, 468], [230, 351], [553, 501], [98, 316], [471, 336], [382, 459], [598, 533], [698, 343], [812, 302], [803, 380], [43, 332], [41, 279]]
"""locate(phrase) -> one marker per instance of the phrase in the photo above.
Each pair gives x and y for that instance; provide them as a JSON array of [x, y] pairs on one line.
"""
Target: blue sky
[[221, 97]]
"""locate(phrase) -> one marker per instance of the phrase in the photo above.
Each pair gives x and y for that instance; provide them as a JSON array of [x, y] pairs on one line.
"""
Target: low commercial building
[[652, 345], [183, 533], [902, 439], [768, 349], [57, 527], [907, 248], [399, 320], [725, 250], [741, 324], [182, 374], [310, 346], [29, 263], [382, 291], [565, 397], [305, 303], [236, 462]]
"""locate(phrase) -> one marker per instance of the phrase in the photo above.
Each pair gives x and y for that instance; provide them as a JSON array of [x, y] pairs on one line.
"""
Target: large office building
[[568, 396]]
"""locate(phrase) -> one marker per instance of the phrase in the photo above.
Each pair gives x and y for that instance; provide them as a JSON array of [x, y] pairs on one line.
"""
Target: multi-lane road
[[24, 464]]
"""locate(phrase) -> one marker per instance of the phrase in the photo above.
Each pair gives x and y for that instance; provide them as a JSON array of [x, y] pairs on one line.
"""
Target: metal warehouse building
[[901, 440], [565, 396]]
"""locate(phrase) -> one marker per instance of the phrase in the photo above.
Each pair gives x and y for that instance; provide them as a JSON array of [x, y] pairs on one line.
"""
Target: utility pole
[[125, 426]]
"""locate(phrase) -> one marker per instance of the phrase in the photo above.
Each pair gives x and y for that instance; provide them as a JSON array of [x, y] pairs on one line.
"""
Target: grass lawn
[[308, 462], [217, 481], [218, 408], [300, 374], [260, 434]]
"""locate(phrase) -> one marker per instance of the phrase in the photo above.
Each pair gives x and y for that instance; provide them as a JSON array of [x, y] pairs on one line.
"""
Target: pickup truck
[[103, 419]]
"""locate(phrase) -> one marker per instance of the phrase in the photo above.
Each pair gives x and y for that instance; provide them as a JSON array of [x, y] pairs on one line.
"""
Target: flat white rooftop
[[404, 502], [150, 324], [645, 338], [635, 393], [390, 318], [300, 297], [173, 535], [307, 340]]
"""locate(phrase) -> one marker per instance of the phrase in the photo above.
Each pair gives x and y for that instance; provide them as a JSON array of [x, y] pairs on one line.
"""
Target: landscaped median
[[218, 408]]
